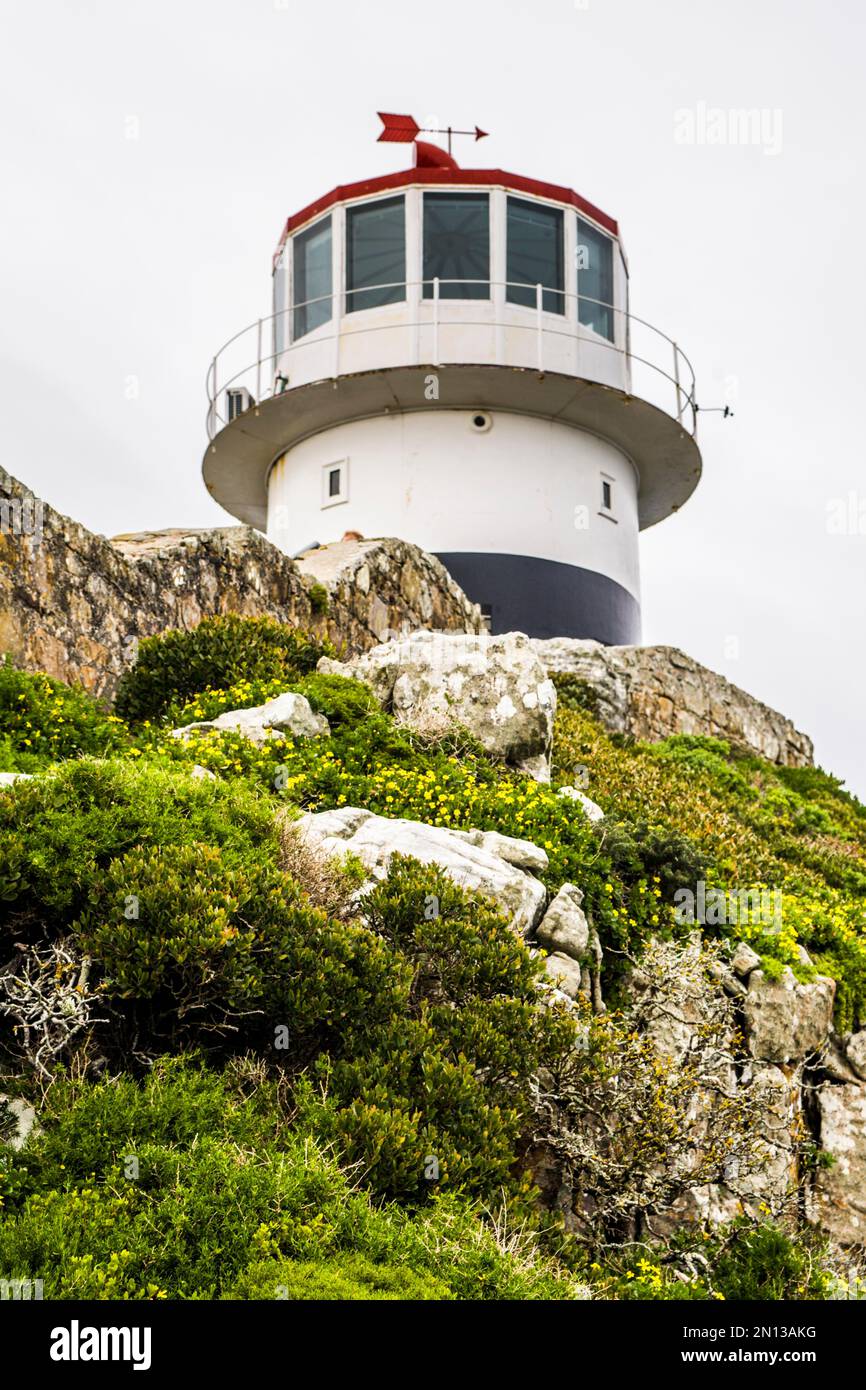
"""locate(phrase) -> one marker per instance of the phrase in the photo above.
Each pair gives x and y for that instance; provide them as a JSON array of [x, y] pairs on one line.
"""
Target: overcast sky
[[151, 152]]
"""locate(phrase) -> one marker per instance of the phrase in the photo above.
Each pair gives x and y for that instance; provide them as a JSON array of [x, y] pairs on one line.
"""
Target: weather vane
[[402, 130]]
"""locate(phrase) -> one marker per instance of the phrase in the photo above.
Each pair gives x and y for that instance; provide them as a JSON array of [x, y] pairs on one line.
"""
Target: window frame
[[304, 306], [607, 487], [350, 210], [613, 245], [328, 498], [485, 286], [550, 293]]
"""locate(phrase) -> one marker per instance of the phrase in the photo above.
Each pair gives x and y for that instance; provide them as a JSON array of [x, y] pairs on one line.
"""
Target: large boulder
[[482, 866], [840, 1190], [287, 716], [495, 687], [564, 928], [786, 1020]]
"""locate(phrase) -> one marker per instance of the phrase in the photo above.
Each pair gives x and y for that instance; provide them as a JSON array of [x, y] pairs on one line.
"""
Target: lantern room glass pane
[[375, 254], [534, 255], [457, 245], [595, 279], [312, 282]]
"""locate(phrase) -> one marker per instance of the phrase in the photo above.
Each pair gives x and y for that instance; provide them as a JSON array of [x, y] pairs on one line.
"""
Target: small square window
[[335, 483]]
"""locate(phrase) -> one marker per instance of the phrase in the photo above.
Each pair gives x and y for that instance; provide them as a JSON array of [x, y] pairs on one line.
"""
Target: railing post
[[539, 332], [677, 380], [259, 363], [436, 321]]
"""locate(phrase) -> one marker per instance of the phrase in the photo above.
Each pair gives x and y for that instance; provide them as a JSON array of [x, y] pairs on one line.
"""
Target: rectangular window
[[335, 483], [534, 255], [457, 245], [312, 282], [375, 254], [606, 495], [594, 279]]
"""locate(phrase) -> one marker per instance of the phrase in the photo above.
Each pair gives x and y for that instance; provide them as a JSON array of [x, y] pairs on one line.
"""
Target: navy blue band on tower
[[545, 598]]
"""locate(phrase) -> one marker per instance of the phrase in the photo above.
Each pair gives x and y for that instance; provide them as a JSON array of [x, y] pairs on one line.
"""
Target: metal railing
[[543, 323]]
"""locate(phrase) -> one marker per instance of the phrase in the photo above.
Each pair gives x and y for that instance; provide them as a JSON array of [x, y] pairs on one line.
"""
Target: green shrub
[[191, 1184], [170, 669], [574, 693], [440, 1093], [352, 1277], [216, 948], [60, 832], [42, 721], [319, 600]]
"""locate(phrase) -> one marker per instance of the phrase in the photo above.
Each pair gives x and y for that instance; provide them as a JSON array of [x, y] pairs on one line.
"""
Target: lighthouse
[[450, 358]]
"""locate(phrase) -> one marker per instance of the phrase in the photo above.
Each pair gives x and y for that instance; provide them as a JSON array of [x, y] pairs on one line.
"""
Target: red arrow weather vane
[[402, 130]]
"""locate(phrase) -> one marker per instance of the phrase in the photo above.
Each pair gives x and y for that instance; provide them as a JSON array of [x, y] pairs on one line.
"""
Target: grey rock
[[565, 974], [653, 692], [289, 715], [376, 839], [786, 1020], [564, 928], [839, 1204], [744, 960], [493, 686], [855, 1051]]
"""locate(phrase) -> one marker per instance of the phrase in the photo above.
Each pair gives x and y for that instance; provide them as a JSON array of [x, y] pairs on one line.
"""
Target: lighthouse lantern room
[[451, 359]]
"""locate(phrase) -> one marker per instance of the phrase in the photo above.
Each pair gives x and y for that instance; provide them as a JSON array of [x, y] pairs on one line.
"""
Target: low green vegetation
[[344, 1106]]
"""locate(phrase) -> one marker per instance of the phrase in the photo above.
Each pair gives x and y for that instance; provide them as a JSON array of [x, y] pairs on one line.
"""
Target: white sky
[[128, 258]]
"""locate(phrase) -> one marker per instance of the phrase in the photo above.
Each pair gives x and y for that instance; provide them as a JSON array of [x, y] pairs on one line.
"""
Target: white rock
[[784, 1019], [8, 779], [376, 839], [565, 973], [288, 714], [203, 774], [589, 807], [493, 686], [523, 854], [564, 928]]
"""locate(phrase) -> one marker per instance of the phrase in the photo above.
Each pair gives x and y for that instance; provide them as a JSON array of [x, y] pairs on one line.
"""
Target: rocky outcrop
[[493, 686], [389, 587], [287, 715], [653, 692], [487, 864], [73, 603], [840, 1189], [785, 1020]]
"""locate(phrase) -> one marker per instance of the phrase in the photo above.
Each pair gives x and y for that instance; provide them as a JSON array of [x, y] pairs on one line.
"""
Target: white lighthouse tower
[[451, 360]]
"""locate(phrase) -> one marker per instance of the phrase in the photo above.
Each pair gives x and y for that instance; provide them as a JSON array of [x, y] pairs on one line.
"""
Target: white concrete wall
[[525, 486]]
